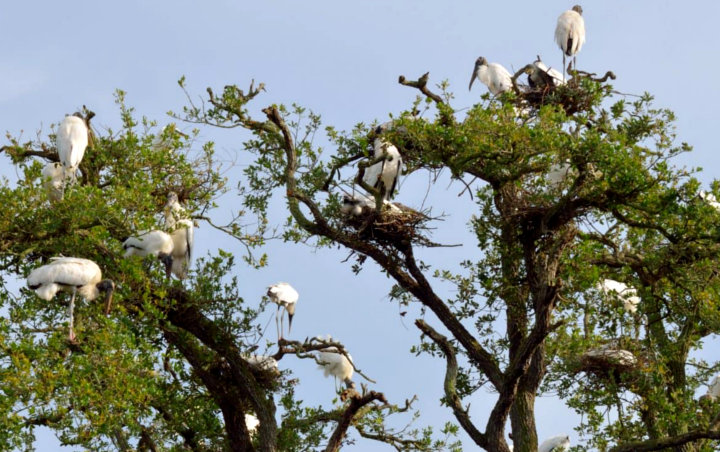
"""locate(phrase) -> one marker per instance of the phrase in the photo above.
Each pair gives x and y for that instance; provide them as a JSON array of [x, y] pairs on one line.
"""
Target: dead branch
[[421, 84]]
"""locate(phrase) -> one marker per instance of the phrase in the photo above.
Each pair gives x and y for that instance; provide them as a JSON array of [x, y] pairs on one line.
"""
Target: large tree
[[570, 186]]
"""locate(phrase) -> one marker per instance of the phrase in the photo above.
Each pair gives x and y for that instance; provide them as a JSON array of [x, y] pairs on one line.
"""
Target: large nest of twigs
[[571, 96], [394, 223], [611, 362]]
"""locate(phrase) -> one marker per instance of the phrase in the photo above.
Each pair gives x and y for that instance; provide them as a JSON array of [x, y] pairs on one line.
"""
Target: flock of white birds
[[172, 246]]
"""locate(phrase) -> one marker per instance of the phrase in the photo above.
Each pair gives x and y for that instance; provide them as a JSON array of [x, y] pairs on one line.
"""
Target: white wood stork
[[182, 233], [263, 362], [493, 75], [626, 294], [713, 391], [72, 139], [384, 175], [173, 210], [286, 297], [555, 444], [541, 76], [710, 199], [154, 243], [71, 274], [570, 33], [355, 204], [52, 176], [334, 363]]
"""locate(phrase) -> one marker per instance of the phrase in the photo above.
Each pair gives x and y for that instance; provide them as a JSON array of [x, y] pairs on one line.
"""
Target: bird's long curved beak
[[108, 299], [290, 317], [474, 76]]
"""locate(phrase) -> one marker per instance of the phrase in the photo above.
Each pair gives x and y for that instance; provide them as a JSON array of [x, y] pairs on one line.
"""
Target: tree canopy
[[570, 185]]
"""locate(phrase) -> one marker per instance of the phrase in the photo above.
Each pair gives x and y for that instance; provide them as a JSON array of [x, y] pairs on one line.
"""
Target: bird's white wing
[[283, 292], [72, 139], [68, 271]]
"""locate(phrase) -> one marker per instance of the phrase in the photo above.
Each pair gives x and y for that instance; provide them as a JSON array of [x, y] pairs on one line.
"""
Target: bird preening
[[384, 175], [154, 243], [73, 275], [285, 297]]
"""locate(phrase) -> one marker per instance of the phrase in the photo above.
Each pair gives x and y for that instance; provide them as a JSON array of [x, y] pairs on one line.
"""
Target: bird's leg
[[278, 324], [563, 65], [71, 314]]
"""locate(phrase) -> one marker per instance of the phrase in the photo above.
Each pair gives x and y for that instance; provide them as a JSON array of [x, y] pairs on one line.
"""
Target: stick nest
[[395, 222]]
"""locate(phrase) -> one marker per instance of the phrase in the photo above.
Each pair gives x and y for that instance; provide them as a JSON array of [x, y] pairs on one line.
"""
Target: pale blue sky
[[342, 60]]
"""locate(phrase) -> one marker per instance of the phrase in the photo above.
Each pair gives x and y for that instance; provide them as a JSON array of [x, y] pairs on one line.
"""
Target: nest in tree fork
[[571, 97], [610, 362], [395, 222]]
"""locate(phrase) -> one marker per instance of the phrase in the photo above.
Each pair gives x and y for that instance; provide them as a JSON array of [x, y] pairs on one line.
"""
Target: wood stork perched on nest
[[71, 274], [183, 236], [286, 297], [555, 444], [334, 363], [53, 176], [541, 76], [570, 33], [626, 294], [384, 175], [154, 243], [493, 75], [72, 139]]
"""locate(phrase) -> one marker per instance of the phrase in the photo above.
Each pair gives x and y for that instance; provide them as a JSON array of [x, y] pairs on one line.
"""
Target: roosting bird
[[555, 444], [570, 33], [153, 243], [283, 295], [626, 294], [384, 175], [493, 75], [71, 274], [53, 175], [713, 391], [541, 76], [183, 236], [710, 199], [72, 139], [334, 363]]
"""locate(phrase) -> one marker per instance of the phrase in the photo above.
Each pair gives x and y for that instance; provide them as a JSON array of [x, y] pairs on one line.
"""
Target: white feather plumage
[[72, 139], [492, 75]]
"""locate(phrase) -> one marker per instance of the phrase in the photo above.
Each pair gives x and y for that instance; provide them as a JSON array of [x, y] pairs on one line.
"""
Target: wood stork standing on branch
[[626, 294], [71, 274], [570, 33], [493, 75], [154, 243], [555, 444], [72, 139], [52, 176], [183, 236], [384, 175], [334, 363], [286, 297]]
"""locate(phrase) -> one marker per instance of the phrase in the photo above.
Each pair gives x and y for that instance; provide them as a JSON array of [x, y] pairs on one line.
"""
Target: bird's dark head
[[77, 114], [577, 9], [479, 62], [350, 201], [107, 286]]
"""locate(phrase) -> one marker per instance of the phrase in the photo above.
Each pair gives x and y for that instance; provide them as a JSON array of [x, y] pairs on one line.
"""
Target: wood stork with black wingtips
[[493, 75], [154, 243], [183, 236], [555, 444], [384, 175], [74, 275], [286, 297], [570, 33], [53, 177], [71, 139], [541, 76]]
